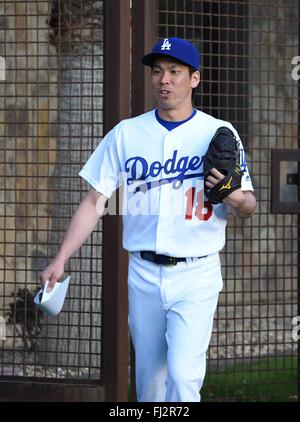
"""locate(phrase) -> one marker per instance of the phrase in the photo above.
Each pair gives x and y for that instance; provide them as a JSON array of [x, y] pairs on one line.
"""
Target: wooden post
[[115, 301], [144, 34]]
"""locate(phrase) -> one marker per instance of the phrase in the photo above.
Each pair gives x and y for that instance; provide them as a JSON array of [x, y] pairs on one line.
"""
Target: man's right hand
[[53, 272]]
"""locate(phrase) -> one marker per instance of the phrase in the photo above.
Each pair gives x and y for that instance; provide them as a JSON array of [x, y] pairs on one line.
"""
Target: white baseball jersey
[[164, 207]]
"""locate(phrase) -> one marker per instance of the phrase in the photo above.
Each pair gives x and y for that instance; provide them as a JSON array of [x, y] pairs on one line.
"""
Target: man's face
[[172, 84]]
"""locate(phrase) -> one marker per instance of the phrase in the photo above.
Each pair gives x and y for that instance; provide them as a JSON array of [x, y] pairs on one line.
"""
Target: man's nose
[[165, 78]]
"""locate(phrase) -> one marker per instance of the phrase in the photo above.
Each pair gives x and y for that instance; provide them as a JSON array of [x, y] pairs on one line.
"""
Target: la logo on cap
[[166, 45]]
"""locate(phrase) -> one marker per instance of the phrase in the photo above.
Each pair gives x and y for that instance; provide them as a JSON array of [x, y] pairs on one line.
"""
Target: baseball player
[[171, 228]]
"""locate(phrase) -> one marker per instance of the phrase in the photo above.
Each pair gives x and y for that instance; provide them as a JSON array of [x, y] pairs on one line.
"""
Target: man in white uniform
[[173, 233]]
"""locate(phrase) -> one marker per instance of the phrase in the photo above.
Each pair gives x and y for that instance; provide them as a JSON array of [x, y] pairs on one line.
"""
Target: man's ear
[[195, 79]]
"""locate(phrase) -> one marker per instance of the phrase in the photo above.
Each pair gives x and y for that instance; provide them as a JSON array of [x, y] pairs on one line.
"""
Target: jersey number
[[203, 208]]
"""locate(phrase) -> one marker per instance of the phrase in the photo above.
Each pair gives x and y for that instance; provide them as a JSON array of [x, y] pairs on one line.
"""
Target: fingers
[[217, 174], [51, 277], [52, 280], [214, 177]]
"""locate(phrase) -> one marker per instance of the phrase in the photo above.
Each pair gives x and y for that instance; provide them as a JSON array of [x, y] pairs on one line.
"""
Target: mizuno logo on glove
[[227, 186]]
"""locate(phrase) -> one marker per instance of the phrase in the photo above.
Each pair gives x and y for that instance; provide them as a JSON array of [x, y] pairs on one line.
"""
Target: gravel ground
[[242, 332]]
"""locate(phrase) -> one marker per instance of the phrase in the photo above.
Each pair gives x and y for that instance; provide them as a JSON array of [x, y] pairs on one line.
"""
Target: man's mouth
[[164, 92]]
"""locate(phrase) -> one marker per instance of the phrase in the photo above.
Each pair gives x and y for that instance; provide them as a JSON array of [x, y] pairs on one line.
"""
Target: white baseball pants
[[171, 310]]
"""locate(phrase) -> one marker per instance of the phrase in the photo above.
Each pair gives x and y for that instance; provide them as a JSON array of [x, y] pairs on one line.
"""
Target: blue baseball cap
[[177, 48]]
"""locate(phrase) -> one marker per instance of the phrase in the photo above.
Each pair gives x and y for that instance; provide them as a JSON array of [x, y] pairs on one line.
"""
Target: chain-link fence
[[51, 120]]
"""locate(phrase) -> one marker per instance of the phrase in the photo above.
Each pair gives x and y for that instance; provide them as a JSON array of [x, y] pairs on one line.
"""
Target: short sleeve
[[102, 170], [246, 184]]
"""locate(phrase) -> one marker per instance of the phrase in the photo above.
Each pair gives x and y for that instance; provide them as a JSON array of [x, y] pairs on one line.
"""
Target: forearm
[[242, 203], [82, 224]]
